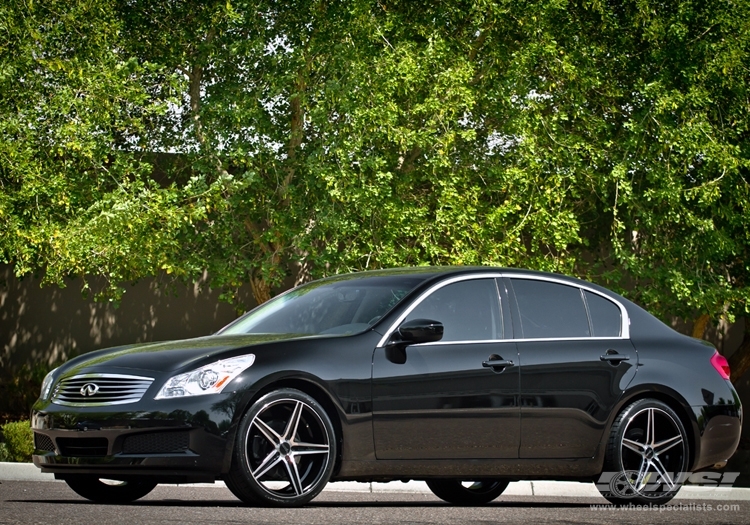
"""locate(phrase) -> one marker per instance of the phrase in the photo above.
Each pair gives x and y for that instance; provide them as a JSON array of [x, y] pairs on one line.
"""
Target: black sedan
[[467, 378]]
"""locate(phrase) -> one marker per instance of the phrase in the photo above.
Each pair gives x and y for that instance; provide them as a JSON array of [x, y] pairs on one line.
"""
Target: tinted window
[[550, 309], [469, 310], [342, 306], [605, 316]]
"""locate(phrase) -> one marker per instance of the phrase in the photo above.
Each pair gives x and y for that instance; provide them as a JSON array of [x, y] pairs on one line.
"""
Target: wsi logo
[[632, 484]]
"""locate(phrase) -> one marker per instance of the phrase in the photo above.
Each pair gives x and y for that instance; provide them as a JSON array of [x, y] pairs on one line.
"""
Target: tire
[[115, 492], [284, 452], [459, 492], [647, 448]]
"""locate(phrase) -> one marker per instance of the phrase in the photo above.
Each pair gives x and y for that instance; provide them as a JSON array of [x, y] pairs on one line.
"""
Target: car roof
[[429, 272]]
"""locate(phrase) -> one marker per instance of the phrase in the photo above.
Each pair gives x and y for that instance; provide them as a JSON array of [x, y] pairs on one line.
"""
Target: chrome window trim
[[624, 318], [428, 292], [527, 340], [466, 342]]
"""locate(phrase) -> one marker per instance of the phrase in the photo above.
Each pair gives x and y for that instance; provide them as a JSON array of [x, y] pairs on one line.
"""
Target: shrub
[[4, 454], [19, 441]]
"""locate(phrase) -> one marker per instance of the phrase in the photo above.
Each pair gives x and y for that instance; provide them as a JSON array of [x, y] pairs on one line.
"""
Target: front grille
[[157, 443], [44, 443], [82, 447], [100, 389]]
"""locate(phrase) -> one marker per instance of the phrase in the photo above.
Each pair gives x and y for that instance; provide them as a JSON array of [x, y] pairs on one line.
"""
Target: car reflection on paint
[[467, 378]]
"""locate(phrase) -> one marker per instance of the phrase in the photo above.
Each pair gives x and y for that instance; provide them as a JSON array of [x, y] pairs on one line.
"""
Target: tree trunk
[[272, 250], [739, 361], [699, 328], [260, 288], [195, 76], [296, 129]]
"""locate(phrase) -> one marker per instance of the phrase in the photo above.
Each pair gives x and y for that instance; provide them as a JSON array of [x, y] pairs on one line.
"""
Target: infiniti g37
[[466, 378]]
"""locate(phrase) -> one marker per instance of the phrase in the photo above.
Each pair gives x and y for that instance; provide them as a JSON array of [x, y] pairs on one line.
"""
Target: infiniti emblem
[[89, 389]]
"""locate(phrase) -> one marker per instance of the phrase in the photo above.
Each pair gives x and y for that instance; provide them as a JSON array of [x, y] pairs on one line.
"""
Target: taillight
[[720, 364]]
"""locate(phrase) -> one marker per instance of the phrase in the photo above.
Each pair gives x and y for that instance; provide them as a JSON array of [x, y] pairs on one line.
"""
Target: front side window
[[469, 310], [550, 310]]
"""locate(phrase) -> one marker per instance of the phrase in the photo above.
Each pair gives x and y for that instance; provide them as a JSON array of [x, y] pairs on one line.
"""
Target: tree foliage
[[255, 141]]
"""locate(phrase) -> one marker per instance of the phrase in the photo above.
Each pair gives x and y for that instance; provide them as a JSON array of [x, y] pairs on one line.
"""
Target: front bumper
[[177, 441]]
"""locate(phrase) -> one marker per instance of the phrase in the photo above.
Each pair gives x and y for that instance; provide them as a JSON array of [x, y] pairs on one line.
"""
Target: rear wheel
[[648, 451], [285, 451], [109, 491], [460, 492]]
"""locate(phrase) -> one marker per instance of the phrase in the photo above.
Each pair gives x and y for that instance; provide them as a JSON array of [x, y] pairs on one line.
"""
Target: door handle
[[614, 358], [497, 363]]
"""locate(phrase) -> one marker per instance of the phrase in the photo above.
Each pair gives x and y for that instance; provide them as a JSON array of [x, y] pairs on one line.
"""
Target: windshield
[[341, 306]]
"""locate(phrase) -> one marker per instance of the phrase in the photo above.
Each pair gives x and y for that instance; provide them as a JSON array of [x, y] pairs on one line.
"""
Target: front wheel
[[460, 492], [646, 456], [109, 491], [285, 451]]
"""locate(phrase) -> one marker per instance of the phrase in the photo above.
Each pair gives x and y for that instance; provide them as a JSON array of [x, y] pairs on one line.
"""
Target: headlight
[[209, 379], [46, 385]]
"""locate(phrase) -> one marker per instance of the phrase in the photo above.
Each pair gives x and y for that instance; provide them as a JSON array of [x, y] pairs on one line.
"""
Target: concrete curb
[[29, 472]]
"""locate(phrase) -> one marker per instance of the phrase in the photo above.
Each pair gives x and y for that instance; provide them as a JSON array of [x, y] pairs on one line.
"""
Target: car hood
[[168, 356]]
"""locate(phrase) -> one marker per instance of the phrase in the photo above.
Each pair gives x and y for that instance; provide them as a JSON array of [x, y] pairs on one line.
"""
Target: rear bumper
[[719, 428]]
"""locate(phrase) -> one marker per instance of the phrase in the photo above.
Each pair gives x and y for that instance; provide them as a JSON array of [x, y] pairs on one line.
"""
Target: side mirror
[[411, 333], [420, 331]]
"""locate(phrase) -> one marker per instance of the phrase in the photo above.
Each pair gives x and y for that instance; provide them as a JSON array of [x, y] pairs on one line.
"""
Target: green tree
[[259, 141]]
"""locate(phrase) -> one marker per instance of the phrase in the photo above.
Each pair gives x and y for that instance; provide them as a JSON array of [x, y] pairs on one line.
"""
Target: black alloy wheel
[[109, 491], [460, 492], [647, 454], [285, 451]]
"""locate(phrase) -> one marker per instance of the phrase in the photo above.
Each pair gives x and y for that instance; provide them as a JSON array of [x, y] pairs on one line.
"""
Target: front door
[[448, 400]]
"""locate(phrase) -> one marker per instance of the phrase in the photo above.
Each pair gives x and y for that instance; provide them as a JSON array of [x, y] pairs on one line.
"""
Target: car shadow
[[312, 505]]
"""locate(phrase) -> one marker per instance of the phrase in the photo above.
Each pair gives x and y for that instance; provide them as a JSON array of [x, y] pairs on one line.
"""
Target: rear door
[[576, 360]]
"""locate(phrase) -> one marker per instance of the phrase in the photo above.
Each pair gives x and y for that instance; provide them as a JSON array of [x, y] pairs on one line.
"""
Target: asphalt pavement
[[35, 502], [540, 489]]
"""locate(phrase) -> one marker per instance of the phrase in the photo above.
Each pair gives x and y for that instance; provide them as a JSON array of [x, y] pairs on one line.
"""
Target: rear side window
[[606, 318], [550, 310]]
